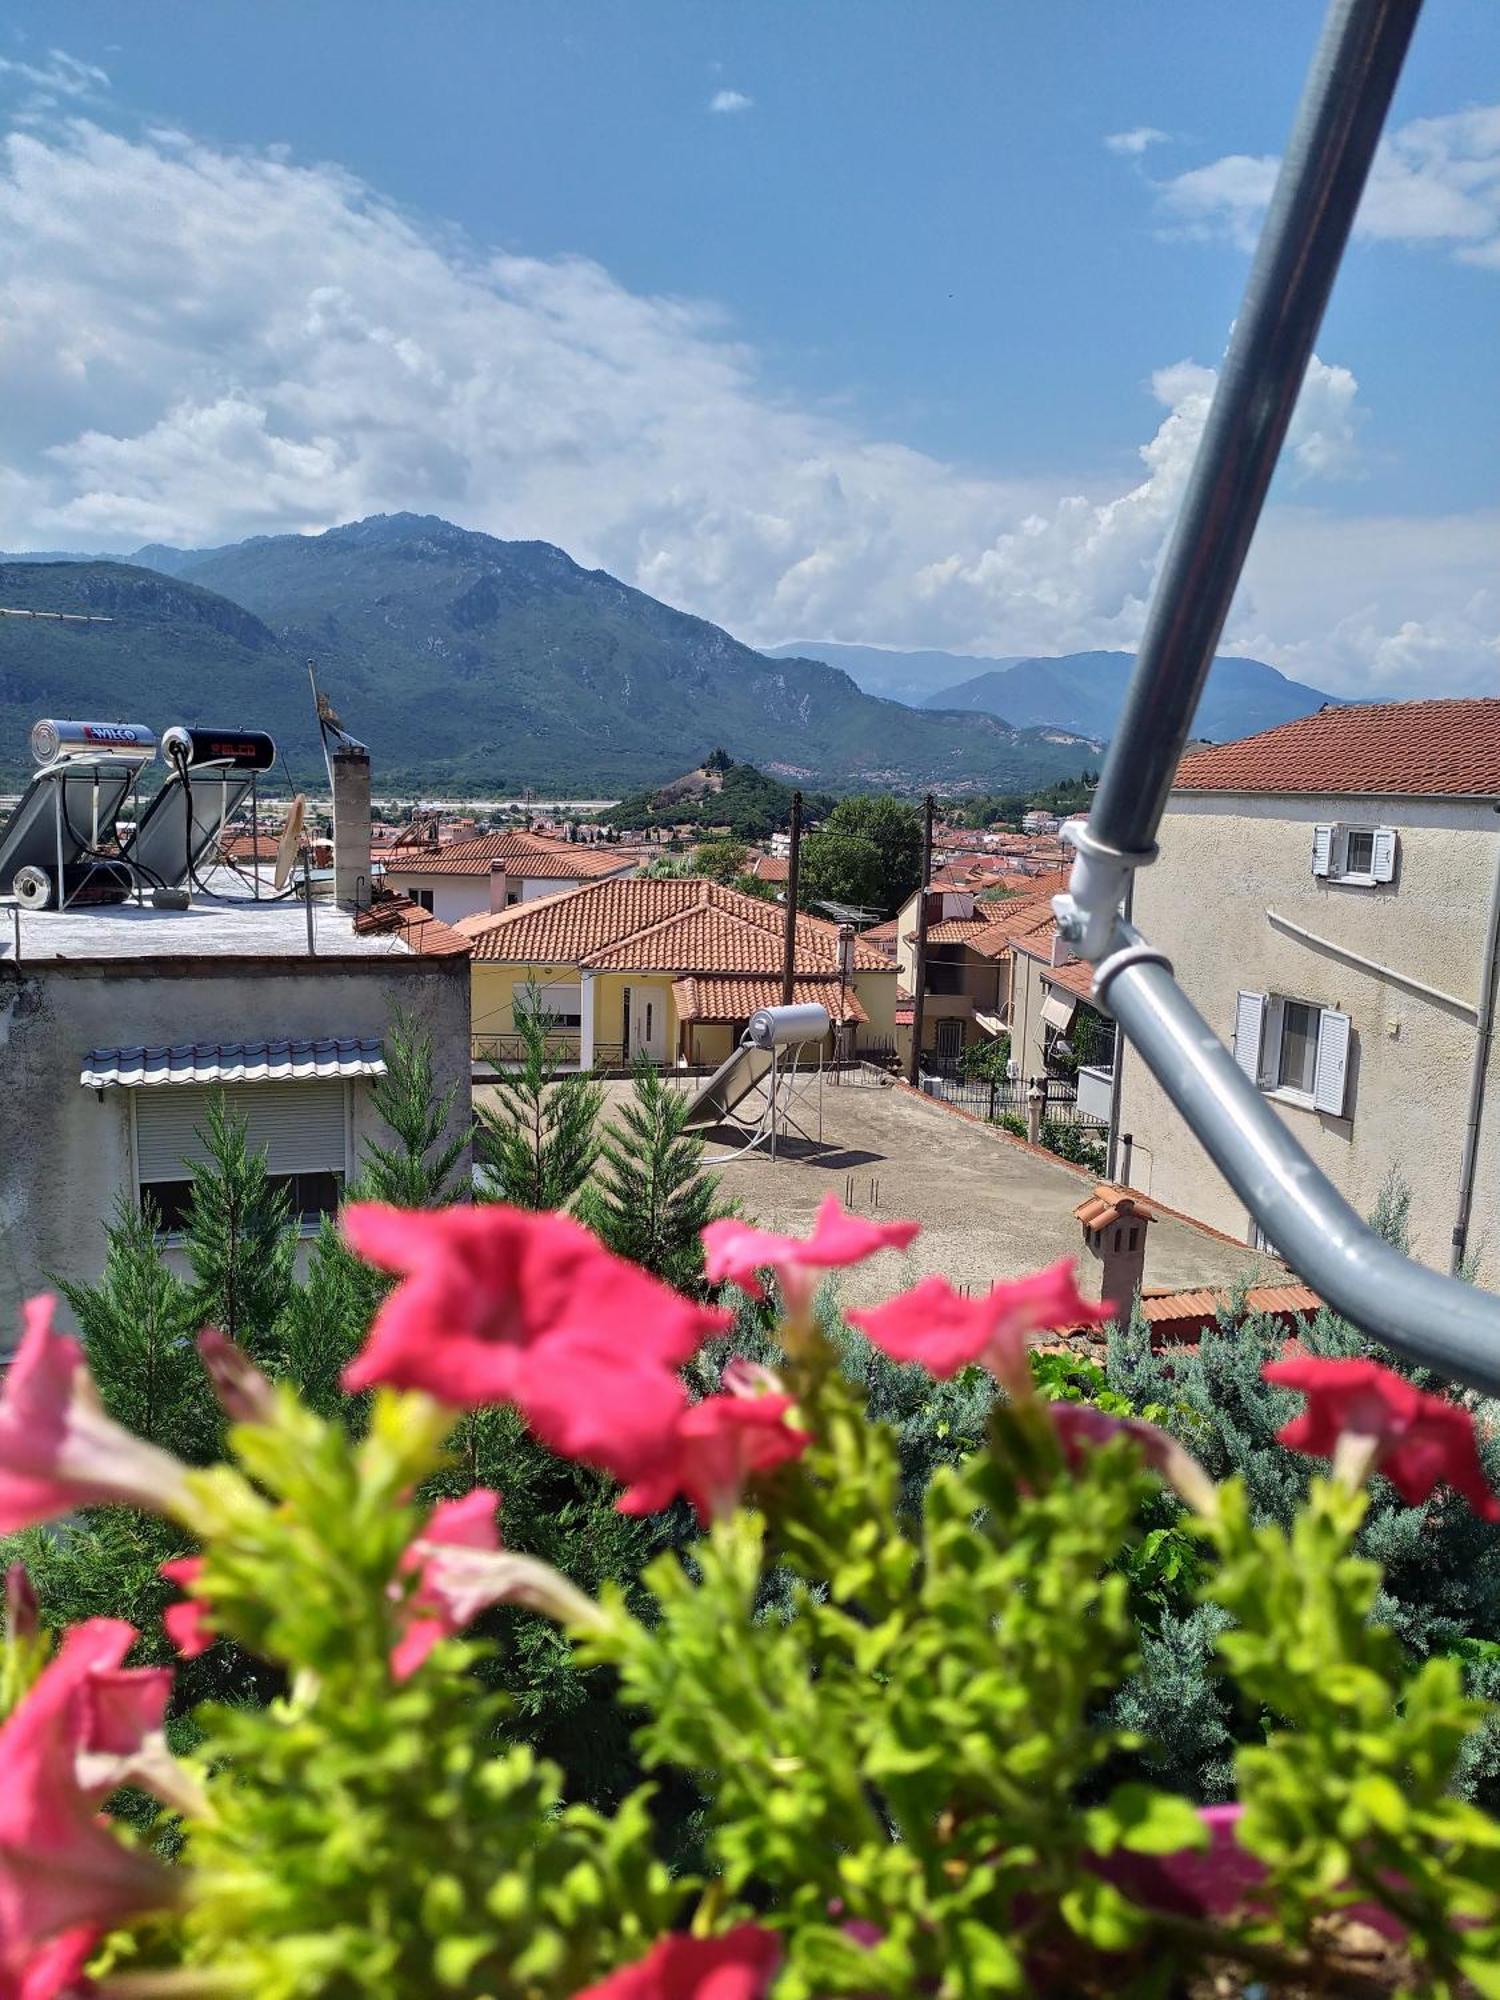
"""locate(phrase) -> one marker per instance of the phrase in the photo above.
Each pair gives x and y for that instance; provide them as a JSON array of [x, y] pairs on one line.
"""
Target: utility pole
[[919, 972], [793, 871]]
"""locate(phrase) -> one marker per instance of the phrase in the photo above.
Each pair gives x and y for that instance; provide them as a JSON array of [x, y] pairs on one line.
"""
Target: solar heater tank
[[68, 742], [779, 1027], [234, 749]]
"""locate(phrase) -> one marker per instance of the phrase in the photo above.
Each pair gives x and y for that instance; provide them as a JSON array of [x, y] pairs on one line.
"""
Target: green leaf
[[1146, 1822]]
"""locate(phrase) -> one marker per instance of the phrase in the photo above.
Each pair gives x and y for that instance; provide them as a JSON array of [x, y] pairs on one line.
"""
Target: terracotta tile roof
[[1108, 1205], [397, 916], [712, 998], [680, 924], [521, 854], [1076, 976], [882, 933], [769, 868], [1409, 749], [1167, 1308]]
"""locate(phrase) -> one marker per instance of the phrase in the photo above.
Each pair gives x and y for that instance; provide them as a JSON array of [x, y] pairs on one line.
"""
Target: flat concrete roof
[[231, 925], [989, 1206]]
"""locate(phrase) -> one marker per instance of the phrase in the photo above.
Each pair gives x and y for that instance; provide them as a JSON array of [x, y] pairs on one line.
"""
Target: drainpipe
[[1483, 1039]]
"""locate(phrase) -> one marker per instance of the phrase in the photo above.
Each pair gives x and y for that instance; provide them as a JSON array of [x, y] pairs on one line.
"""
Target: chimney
[[1115, 1223], [351, 827]]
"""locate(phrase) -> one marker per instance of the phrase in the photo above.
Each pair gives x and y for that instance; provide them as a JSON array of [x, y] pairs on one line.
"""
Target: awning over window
[[1058, 1010], [231, 1062]]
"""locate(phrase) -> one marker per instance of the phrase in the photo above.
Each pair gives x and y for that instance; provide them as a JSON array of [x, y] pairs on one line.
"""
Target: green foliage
[[537, 1145], [720, 860], [868, 852], [650, 1196], [890, 1692], [239, 1240], [418, 1171], [745, 803], [986, 1061], [138, 1324], [1076, 1143]]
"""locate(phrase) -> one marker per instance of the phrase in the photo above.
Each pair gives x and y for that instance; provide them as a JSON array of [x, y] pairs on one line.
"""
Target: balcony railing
[[564, 1046]]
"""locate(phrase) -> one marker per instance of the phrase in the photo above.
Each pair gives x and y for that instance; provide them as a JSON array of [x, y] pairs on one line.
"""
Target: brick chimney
[[1115, 1224], [351, 827]]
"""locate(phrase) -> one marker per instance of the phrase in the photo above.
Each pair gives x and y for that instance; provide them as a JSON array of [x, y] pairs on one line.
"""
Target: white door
[[648, 1028]]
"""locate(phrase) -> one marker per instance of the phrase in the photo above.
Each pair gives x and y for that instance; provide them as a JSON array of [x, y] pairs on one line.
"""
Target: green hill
[[475, 664], [718, 793]]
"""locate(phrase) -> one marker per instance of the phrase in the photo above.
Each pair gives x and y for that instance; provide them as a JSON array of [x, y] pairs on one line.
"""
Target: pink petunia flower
[[504, 1305], [937, 1326], [432, 1609], [719, 1446], [54, 1971], [1080, 1427], [739, 1965], [62, 1869], [186, 1623], [58, 1450], [23, 1614], [1364, 1416], [735, 1252]]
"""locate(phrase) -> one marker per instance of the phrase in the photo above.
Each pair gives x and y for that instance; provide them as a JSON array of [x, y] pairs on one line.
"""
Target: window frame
[[306, 1224]]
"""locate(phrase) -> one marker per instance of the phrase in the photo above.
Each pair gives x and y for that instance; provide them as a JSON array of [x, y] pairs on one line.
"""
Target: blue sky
[[873, 353]]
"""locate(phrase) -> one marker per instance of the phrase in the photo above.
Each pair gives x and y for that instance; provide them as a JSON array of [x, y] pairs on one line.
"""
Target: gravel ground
[[989, 1207]]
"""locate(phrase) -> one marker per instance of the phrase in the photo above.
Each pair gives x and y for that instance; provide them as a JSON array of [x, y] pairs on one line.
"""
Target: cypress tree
[[536, 1147], [650, 1195], [239, 1239]]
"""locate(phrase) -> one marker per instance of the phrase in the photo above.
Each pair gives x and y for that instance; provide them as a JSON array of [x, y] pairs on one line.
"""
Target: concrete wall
[[65, 1151], [1226, 861]]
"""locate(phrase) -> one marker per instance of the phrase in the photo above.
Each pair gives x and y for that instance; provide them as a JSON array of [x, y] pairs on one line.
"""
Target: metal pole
[[1333, 141], [919, 966], [1454, 1328], [793, 882]]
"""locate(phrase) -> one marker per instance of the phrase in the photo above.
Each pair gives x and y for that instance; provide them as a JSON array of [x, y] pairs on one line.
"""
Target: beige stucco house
[[967, 989], [1326, 892], [670, 969]]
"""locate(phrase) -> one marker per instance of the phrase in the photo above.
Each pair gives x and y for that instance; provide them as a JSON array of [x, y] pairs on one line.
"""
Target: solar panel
[[730, 1084], [183, 822], [78, 802]]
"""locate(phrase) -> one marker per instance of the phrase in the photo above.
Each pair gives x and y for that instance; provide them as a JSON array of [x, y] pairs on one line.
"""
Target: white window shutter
[[1331, 1072], [1383, 868], [1322, 852], [1249, 1023]]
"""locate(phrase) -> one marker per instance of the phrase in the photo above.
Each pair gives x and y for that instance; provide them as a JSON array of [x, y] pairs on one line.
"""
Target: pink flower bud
[[244, 1394]]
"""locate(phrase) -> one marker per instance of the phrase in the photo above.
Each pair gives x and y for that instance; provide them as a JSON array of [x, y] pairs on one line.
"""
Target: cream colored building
[[669, 969], [1326, 893], [477, 877]]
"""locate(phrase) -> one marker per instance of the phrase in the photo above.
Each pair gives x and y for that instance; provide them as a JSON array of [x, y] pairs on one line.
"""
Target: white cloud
[[729, 101], [55, 77], [202, 344], [1433, 181], [1134, 142]]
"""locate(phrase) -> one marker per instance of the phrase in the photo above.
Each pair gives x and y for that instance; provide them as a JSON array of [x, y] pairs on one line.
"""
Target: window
[[1294, 1048], [1296, 1058], [299, 1127], [422, 898], [1358, 856]]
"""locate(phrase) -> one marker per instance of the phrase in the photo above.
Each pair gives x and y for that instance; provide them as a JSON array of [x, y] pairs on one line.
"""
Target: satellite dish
[[290, 841]]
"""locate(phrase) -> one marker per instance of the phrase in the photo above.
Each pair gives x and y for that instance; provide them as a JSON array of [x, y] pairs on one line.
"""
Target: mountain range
[[469, 663], [1080, 691]]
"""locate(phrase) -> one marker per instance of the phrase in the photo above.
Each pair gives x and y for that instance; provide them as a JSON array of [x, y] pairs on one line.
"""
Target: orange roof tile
[[679, 924], [1107, 1205], [770, 868], [1166, 1307], [1409, 749], [521, 854], [712, 998]]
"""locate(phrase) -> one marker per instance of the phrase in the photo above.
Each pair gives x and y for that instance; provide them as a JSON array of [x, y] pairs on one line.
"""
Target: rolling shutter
[[1322, 850], [1249, 1023], [1330, 1075], [298, 1126], [1383, 867]]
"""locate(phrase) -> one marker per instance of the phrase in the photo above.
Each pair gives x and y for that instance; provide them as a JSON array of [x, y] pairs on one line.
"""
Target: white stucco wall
[[1225, 861], [65, 1151]]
